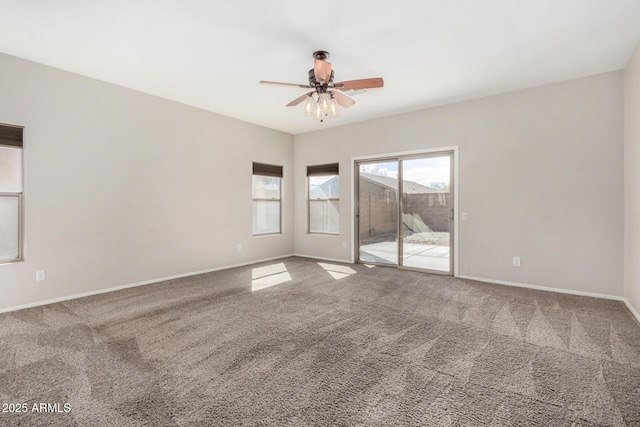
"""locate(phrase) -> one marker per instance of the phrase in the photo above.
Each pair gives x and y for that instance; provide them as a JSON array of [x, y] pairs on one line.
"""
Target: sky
[[423, 171], [319, 180]]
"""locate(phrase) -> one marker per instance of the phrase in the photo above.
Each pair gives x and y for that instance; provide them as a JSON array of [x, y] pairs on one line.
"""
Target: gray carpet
[[334, 345]]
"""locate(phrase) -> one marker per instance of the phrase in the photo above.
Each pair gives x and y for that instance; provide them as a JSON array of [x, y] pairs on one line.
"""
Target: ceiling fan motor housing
[[313, 82], [321, 55]]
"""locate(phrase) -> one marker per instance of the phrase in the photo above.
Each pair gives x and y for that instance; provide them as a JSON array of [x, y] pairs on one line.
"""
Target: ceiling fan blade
[[298, 100], [353, 92], [265, 82], [322, 70], [372, 83], [342, 99]]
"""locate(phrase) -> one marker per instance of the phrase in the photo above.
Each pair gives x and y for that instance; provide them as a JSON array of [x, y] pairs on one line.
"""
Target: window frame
[[270, 171], [330, 169], [19, 195]]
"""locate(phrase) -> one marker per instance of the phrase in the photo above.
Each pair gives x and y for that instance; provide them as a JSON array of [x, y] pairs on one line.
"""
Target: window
[[267, 199], [324, 198], [10, 193]]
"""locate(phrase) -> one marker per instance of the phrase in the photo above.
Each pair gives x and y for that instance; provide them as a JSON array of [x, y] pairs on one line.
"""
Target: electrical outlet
[[516, 261], [239, 247], [344, 245], [464, 216], [40, 275]]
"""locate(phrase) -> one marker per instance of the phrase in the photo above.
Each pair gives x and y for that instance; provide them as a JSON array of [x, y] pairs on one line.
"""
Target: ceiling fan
[[322, 102]]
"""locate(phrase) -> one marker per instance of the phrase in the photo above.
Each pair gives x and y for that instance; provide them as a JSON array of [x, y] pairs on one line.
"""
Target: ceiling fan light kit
[[326, 97], [322, 108]]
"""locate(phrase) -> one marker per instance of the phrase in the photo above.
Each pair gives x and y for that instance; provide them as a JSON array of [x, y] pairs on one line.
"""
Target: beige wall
[[632, 180], [123, 187], [540, 176]]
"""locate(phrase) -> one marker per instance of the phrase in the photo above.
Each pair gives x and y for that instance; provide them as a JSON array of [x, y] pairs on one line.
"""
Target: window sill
[[267, 234], [13, 261]]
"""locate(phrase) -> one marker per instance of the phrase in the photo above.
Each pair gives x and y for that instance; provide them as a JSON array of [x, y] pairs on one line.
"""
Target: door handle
[[450, 214]]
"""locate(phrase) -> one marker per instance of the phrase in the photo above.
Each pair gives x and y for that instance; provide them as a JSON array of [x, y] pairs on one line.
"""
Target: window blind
[[267, 170], [319, 170], [11, 135]]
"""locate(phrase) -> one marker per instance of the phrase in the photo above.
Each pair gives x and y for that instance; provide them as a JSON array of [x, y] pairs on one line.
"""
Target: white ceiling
[[211, 54]]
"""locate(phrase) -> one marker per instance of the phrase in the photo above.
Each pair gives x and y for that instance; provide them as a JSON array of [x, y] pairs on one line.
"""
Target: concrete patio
[[429, 257]]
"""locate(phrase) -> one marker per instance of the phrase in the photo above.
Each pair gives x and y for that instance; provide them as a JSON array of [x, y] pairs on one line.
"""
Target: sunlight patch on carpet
[[268, 276], [337, 271]]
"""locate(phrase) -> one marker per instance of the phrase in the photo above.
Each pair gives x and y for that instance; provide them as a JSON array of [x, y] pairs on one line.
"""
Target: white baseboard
[[632, 310], [136, 284], [195, 273], [543, 288], [344, 261]]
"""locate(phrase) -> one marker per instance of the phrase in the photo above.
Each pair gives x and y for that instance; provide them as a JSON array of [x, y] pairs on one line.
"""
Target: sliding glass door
[[405, 212], [378, 211], [427, 213]]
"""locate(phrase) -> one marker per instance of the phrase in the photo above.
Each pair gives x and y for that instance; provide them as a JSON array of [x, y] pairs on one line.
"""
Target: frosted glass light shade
[[334, 109], [317, 112], [324, 100], [308, 106]]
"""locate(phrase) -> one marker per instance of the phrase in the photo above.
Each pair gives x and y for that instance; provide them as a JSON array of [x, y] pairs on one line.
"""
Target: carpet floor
[[297, 342]]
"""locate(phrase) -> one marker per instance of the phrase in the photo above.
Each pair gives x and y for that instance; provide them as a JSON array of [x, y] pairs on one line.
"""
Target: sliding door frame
[[399, 156], [355, 206], [453, 191]]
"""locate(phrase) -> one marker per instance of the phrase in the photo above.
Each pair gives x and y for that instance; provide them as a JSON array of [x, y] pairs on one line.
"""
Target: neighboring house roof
[[409, 187], [326, 190]]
